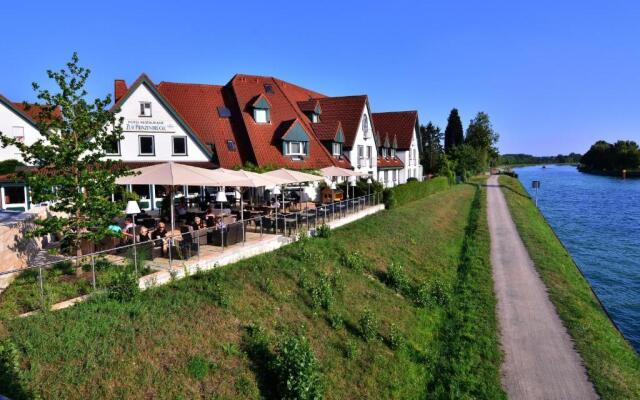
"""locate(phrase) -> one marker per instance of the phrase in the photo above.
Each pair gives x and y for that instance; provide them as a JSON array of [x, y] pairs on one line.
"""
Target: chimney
[[120, 89]]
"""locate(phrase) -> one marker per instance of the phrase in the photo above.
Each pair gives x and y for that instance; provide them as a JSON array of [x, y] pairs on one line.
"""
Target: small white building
[[402, 127]]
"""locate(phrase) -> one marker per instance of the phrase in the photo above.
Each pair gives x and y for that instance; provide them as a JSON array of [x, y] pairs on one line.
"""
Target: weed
[[323, 231], [124, 286], [198, 367], [322, 293], [396, 338], [398, 279], [297, 369], [368, 325], [351, 349], [336, 321], [354, 261], [230, 349]]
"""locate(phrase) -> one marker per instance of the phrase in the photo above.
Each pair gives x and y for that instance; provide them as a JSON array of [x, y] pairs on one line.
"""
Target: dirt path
[[540, 361]]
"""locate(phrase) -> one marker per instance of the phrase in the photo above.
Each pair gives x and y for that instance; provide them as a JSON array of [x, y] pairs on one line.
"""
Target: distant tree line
[[523, 159], [454, 153], [613, 158]]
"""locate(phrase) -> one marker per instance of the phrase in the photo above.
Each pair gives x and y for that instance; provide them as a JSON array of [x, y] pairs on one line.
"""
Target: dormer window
[[384, 152], [393, 153], [145, 108], [336, 149], [261, 116], [295, 148], [261, 110], [295, 142], [315, 118]]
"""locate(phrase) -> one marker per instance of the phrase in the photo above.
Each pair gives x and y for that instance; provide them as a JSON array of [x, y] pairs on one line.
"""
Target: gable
[[19, 113], [296, 133], [261, 103], [159, 122], [339, 136]]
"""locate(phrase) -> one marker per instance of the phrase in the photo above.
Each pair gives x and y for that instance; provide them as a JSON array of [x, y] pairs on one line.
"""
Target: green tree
[[71, 171], [453, 133], [432, 140], [482, 137], [604, 156]]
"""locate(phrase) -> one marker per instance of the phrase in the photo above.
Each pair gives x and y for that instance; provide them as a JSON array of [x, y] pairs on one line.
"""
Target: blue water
[[598, 220]]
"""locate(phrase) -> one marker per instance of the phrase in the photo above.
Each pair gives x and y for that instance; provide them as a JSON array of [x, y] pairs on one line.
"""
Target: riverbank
[[612, 364], [617, 174], [387, 304]]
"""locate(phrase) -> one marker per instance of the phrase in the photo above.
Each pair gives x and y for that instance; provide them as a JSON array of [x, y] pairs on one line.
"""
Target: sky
[[553, 76]]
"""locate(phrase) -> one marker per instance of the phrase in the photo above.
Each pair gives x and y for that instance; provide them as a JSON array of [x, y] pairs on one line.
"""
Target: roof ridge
[[190, 84]]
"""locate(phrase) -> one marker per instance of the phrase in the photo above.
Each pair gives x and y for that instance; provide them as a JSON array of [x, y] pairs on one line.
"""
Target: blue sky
[[553, 77]]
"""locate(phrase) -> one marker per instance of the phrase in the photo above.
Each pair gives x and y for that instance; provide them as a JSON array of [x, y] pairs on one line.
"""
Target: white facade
[[150, 131], [411, 159], [364, 154], [390, 177], [15, 125]]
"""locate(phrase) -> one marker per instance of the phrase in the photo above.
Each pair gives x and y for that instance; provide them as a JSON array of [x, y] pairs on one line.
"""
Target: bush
[[354, 261], [217, 290], [368, 325], [396, 338], [297, 369], [411, 191], [123, 286], [336, 321], [351, 349], [435, 292], [398, 279], [323, 231], [412, 179], [199, 368], [322, 293], [389, 199], [11, 376]]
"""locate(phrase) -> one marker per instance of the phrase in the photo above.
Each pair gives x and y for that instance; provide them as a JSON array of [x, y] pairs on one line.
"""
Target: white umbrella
[[292, 176], [340, 172], [173, 174]]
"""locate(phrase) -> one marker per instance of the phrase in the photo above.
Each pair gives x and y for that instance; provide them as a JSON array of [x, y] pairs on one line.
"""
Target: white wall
[[368, 141], [8, 120], [161, 125], [412, 166]]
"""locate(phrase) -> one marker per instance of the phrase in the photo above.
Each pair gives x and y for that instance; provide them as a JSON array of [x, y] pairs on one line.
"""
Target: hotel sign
[[148, 126]]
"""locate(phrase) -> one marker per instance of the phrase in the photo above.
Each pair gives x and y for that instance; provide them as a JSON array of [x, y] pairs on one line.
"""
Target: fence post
[[41, 279], [244, 234], [261, 227], [284, 227], [93, 272]]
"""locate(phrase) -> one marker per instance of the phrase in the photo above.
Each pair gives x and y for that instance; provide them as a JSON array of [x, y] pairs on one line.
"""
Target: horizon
[[571, 72]]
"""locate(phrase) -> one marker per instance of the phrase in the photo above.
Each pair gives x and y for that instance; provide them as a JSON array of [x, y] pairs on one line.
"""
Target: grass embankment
[[611, 362], [414, 190], [397, 305]]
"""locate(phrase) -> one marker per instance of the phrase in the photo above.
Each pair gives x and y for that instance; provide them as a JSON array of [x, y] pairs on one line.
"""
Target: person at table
[[160, 237], [127, 230], [115, 227], [197, 224], [218, 223], [210, 213], [144, 235]]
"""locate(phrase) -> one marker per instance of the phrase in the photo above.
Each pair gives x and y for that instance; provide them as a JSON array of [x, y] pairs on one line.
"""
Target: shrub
[[218, 292], [412, 179], [322, 292], [323, 231], [389, 199], [396, 338], [123, 286], [435, 292], [12, 380], [411, 191], [198, 367], [336, 321], [297, 369], [398, 279], [368, 325], [354, 261]]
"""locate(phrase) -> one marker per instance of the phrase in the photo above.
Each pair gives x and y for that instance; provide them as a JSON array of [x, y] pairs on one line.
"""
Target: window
[[393, 152], [294, 148], [224, 112], [112, 147], [370, 155], [18, 133], [146, 147], [384, 152], [337, 149], [268, 88], [315, 118], [14, 195], [179, 145], [261, 115], [231, 146], [145, 109], [365, 125]]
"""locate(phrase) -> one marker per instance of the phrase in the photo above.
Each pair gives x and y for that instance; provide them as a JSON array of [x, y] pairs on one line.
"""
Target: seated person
[[182, 210], [144, 235], [197, 224], [127, 230], [160, 237], [115, 227], [218, 223]]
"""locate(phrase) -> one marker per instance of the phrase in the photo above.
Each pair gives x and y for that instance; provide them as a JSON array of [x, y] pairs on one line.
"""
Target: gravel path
[[540, 361]]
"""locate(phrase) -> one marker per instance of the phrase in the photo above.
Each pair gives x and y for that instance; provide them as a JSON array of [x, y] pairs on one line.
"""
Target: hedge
[[414, 190]]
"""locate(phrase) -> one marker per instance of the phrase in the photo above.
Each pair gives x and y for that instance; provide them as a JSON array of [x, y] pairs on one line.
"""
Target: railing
[[189, 245]]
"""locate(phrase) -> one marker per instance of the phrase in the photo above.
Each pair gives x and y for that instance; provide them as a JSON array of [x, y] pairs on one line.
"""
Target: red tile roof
[[389, 162], [265, 138], [348, 110], [400, 124], [198, 106]]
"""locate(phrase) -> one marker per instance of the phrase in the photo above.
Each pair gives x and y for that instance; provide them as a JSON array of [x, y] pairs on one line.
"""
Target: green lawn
[[435, 335], [612, 364]]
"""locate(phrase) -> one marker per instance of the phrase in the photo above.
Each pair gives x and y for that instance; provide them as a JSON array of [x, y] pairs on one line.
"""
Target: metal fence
[[188, 245]]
